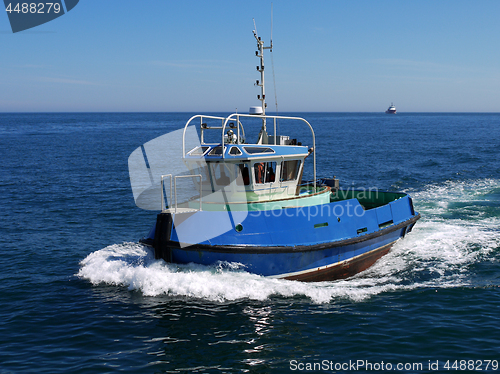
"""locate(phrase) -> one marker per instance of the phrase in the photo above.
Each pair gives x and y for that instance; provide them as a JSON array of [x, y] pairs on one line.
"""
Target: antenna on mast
[[271, 27], [261, 83], [272, 63]]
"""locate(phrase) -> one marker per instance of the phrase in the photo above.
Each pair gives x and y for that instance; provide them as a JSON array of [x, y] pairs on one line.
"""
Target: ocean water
[[78, 294]]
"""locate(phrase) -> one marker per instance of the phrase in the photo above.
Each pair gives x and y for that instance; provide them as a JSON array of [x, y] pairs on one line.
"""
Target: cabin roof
[[246, 151]]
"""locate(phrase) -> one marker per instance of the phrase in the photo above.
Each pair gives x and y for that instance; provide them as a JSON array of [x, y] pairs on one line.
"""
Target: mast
[[261, 83]]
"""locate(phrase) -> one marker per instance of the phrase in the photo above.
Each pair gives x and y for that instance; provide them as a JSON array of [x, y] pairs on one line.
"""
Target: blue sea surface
[[78, 294]]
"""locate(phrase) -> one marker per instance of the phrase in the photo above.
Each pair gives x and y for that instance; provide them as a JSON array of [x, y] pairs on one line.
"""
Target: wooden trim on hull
[[342, 270]]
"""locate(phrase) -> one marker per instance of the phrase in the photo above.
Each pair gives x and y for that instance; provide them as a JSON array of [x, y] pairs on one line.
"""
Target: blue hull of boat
[[303, 263], [314, 243]]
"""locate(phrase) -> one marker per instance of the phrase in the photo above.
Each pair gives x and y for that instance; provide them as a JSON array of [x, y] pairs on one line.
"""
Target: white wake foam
[[438, 253]]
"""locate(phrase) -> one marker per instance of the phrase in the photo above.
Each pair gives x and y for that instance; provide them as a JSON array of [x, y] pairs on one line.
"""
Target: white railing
[[240, 129], [162, 191], [232, 116], [236, 117], [163, 206]]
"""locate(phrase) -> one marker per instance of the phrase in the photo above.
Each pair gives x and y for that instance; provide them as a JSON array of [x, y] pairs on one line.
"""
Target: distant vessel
[[391, 109]]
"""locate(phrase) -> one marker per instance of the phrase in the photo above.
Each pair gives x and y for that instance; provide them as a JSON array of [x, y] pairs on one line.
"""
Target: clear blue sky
[[162, 55]]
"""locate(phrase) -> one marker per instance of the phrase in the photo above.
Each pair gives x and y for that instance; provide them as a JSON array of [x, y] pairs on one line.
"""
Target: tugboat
[[249, 206], [391, 109]]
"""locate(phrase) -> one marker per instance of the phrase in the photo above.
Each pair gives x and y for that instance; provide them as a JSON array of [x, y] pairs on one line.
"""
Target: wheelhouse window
[[256, 150], [235, 151], [265, 172], [221, 175], [216, 151], [289, 170], [242, 175], [198, 151], [202, 169]]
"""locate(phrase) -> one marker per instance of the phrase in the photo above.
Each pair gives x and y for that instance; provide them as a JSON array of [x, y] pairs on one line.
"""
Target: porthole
[[239, 227]]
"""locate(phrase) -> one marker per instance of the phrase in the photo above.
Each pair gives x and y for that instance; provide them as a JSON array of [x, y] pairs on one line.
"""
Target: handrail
[[162, 190], [236, 116], [187, 124], [175, 188], [275, 117], [185, 176]]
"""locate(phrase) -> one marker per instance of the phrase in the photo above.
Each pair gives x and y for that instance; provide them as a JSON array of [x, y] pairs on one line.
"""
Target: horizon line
[[222, 111]]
